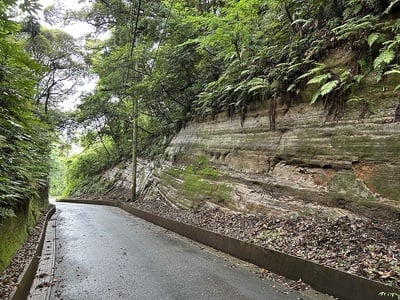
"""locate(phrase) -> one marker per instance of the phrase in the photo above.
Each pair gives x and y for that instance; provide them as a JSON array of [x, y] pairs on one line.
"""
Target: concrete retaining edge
[[26, 278], [322, 278]]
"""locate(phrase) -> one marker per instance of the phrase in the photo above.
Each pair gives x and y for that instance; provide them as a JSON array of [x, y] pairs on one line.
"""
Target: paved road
[[105, 253]]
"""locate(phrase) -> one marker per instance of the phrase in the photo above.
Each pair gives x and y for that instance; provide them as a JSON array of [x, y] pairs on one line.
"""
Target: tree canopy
[[33, 64], [198, 58]]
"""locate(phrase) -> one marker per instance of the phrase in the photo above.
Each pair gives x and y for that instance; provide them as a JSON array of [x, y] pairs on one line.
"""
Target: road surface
[[105, 253]]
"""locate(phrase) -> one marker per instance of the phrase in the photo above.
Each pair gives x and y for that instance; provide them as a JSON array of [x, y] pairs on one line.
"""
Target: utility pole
[[134, 146], [135, 101]]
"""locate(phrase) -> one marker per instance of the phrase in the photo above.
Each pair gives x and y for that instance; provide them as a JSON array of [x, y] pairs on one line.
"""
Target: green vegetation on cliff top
[[198, 58]]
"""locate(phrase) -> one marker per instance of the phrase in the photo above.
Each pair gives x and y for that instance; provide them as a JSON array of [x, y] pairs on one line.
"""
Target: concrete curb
[[26, 278], [324, 279]]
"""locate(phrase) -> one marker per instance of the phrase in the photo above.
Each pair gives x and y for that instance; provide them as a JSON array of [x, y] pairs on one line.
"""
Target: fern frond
[[315, 97], [390, 44], [3, 141], [317, 69], [258, 87], [389, 8], [392, 72], [353, 26], [6, 213], [258, 83], [358, 78], [320, 79], [291, 88], [393, 295], [372, 38], [295, 66], [257, 80], [356, 99], [385, 57], [346, 74], [328, 87], [324, 90]]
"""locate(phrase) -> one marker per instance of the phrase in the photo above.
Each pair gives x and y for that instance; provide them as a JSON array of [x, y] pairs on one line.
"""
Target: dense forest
[[164, 64]]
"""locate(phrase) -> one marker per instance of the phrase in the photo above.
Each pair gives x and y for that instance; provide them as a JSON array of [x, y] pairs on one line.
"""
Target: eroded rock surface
[[352, 164]]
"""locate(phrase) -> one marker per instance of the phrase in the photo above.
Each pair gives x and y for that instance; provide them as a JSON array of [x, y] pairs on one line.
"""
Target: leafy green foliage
[[196, 59], [6, 213], [338, 86], [57, 171], [220, 56], [355, 27], [372, 38], [393, 295], [384, 58], [333, 87], [62, 63], [24, 135], [82, 170]]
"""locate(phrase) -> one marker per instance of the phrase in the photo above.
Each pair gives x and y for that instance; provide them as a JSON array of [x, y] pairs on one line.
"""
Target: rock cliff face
[[306, 164], [119, 178]]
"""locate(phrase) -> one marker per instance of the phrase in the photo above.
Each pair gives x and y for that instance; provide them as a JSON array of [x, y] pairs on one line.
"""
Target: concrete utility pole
[[135, 101], [134, 146]]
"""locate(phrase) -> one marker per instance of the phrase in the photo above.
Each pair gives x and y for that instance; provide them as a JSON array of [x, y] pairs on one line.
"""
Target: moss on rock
[[384, 180], [15, 230], [198, 182], [346, 186]]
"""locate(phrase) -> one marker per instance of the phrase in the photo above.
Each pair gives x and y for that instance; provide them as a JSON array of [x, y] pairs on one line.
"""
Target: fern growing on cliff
[[385, 61], [385, 57], [333, 87], [199, 60]]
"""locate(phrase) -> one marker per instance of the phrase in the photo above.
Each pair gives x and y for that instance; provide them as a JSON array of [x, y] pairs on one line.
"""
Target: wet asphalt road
[[106, 253]]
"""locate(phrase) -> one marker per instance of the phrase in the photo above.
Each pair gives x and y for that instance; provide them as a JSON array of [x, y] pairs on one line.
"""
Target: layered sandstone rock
[[353, 163]]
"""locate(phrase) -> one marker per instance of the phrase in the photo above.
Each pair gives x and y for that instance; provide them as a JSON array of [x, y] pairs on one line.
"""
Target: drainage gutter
[[26, 278]]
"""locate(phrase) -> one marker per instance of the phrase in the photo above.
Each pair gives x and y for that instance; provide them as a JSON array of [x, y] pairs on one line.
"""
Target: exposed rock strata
[[308, 165], [352, 164]]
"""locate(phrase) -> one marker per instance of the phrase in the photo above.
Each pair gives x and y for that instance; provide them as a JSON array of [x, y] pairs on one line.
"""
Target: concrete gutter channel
[[28, 275], [324, 279]]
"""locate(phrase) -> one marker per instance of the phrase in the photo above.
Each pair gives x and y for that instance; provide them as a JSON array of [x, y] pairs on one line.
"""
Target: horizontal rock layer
[[353, 163]]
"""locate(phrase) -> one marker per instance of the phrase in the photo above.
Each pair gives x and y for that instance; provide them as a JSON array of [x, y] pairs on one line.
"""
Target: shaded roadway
[[105, 253]]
